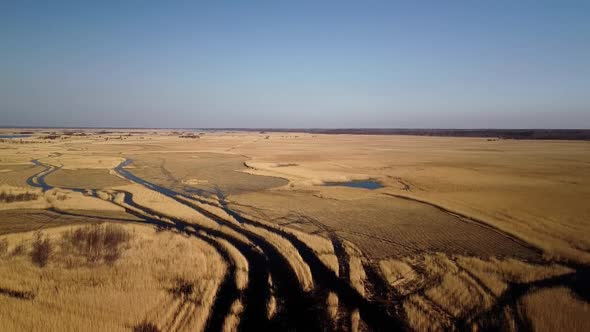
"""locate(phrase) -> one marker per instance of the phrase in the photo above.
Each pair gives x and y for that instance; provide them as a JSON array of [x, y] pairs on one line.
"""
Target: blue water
[[366, 184], [14, 136]]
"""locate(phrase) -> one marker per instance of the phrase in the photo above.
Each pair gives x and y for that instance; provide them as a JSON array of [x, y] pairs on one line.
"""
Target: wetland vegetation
[[235, 231]]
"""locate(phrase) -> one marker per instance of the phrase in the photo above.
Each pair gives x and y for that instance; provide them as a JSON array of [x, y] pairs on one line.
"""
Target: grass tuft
[[3, 247], [42, 249], [146, 327], [182, 288]]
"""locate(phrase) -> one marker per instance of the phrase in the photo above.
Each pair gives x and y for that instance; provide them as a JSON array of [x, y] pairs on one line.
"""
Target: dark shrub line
[[17, 294], [22, 197], [96, 242]]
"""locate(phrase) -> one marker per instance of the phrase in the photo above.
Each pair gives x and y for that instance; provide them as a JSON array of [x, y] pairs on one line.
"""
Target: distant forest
[[548, 134]]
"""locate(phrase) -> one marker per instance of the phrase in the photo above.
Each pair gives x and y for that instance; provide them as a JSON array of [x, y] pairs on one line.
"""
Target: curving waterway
[[296, 309]]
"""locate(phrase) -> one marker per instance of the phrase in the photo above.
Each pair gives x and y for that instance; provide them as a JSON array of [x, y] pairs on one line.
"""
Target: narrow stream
[[364, 184], [38, 180]]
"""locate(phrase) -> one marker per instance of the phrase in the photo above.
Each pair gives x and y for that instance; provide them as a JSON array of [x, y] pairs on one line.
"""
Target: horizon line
[[292, 128]]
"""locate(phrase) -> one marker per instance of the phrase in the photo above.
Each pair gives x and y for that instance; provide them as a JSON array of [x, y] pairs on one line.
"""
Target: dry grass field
[[17, 175], [162, 278], [162, 231]]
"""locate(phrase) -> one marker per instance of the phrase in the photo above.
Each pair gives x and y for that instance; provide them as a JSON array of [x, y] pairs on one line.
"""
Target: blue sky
[[443, 64]]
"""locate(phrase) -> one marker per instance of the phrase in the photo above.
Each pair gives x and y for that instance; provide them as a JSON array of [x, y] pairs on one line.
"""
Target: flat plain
[[161, 230]]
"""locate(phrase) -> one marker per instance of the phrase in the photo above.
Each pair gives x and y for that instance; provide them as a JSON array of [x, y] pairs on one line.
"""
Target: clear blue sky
[[444, 64]]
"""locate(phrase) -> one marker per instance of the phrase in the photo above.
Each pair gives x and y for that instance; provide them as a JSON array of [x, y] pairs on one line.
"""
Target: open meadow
[[163, 230]]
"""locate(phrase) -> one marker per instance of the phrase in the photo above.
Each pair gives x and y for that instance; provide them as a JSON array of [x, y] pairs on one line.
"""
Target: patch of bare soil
[[202, 173], [84, 178], [24, 220]]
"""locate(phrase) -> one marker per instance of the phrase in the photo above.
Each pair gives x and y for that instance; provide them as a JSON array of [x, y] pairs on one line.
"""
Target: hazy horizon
[[292, 128], [500, 65]]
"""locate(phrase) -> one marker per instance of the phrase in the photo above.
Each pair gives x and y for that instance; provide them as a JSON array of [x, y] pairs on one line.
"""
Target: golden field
[[237, 231], [71, 293]]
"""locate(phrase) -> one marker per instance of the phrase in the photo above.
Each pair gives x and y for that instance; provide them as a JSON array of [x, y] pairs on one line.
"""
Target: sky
[[295, 64]]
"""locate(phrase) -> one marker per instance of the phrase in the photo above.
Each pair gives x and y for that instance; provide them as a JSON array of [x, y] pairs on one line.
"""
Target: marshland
[[236, 231]]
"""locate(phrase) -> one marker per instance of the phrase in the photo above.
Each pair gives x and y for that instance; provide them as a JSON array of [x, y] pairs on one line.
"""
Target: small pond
[[366, 184]]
